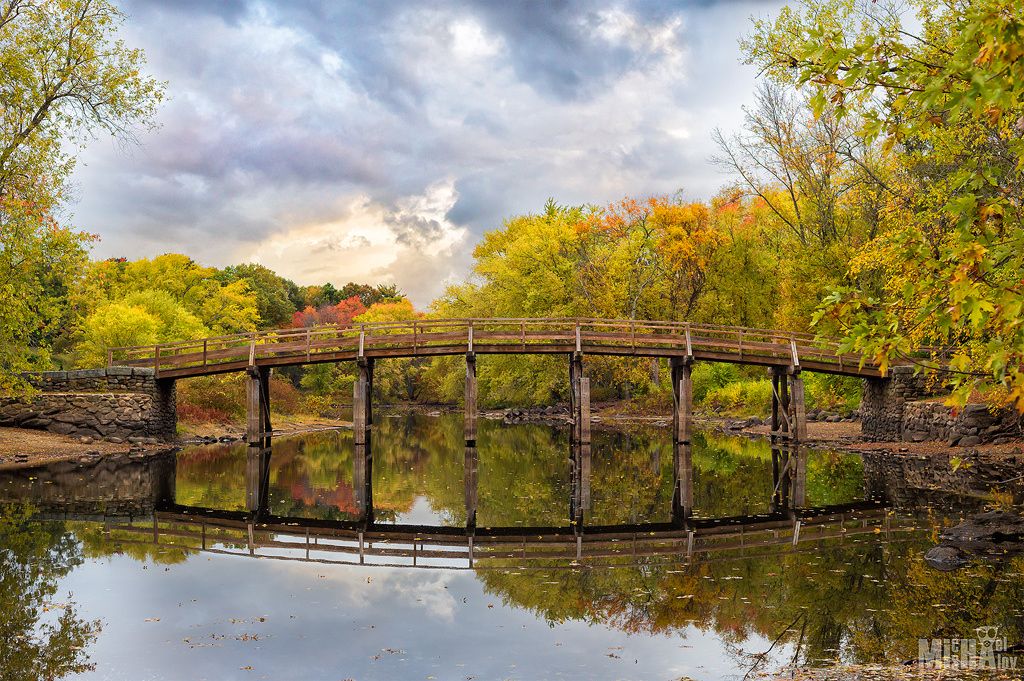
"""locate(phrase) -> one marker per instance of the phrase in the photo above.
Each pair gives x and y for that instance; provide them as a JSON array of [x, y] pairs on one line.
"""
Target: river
[[519, 559]]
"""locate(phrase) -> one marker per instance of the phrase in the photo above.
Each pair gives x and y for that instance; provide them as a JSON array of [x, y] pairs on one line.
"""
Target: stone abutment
[[118, 404]]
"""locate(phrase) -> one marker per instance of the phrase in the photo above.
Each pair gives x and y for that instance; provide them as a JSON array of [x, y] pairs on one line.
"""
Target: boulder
[[993, 534], [946, 558]]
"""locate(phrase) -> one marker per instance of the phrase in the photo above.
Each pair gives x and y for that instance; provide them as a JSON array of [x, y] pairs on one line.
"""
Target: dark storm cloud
[[282, 115]]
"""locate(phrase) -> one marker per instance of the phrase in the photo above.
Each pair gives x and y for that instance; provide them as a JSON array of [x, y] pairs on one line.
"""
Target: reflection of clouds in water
[[374, 587], [430, 590]]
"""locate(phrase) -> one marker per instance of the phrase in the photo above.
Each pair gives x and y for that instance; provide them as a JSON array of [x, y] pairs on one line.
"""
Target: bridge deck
[[437, 337]]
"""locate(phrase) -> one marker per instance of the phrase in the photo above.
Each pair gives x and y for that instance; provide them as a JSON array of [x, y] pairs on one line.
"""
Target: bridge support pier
[[471, 394], [257, 404], [579, 391], [362, 480], [362, 402], [682, 493], [469, 479], [579, 503], [789, 411], [257, 479], [682, 401]]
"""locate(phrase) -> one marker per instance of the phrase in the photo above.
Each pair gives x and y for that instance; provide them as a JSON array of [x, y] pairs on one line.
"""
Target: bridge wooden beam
[[471, 398], [257, 404]]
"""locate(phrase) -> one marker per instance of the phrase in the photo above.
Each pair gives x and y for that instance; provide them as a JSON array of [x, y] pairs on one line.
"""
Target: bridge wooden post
[[682, 400], [369, 365], [780, 427], [799, 467], [361, 402], [584, 410], [471, 394], [257, 479], [579, 501], [257, 404], [573, 398]]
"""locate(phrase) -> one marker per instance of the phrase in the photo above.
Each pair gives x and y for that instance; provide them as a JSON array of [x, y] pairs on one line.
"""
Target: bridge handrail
[[425, 323], [426, 335]]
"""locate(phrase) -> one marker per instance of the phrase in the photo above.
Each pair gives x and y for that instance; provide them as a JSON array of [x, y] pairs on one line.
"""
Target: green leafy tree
[[275, 295]]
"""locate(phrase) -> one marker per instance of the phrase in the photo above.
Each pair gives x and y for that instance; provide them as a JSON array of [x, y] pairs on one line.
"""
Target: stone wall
[[884, 400], [972, 425], [116, 404]]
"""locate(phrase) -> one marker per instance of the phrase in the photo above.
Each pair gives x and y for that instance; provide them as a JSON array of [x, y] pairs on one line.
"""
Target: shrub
[[742, 398], [284, 397], [832, 393], [194, 413], [224, 394], [222, 398], [708, 376]]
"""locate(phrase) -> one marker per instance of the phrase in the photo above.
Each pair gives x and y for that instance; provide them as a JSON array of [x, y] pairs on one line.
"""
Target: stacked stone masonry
[[118, 404], [972, 425], [884, 401]]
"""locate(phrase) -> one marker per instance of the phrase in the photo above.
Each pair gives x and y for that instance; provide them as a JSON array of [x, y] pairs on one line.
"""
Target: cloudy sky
[[376, 141]]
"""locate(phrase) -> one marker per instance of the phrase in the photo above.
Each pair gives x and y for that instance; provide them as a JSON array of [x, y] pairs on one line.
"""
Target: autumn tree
[[222, 305], [947, 99], [341, 313], [64, 76], [646, 258]]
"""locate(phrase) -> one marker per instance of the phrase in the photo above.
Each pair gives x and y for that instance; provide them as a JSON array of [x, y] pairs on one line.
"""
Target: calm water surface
[[519, 559]]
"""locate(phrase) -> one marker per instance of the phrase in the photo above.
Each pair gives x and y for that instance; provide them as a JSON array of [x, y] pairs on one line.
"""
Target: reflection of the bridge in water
[[788, 526]]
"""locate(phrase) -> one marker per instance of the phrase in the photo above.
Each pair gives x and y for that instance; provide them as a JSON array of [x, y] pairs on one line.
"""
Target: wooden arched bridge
[[785, 353]]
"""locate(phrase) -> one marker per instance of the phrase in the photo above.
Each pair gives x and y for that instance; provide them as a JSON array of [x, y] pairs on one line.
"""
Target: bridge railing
[[426, 337]]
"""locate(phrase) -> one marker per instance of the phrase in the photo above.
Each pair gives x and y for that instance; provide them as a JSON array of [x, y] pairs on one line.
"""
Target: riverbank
[[20, 447], [293, 424], [25, 448]]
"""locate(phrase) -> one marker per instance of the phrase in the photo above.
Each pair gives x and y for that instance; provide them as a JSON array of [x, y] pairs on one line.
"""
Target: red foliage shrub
[[342, 313], [194, 413]]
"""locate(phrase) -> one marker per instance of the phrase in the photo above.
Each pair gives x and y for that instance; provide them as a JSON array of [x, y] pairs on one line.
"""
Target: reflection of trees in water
[[35, 643], [523, 474], [866, 602]]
